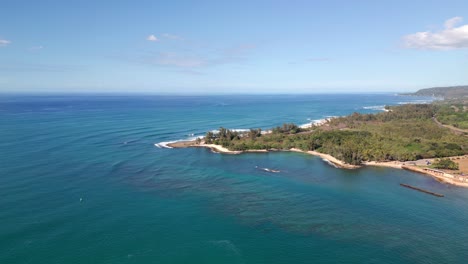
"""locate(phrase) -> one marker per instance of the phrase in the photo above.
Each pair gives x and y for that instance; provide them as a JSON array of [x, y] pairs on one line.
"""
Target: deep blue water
[[82, 182]]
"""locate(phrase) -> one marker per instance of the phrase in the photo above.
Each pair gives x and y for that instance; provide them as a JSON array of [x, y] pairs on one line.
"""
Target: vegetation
[[446, 92], [454, 114], [445, 164], [287, 128], [403, 133]]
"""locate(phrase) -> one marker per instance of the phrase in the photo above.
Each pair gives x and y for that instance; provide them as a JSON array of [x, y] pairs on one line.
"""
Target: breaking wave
[[375, 107]]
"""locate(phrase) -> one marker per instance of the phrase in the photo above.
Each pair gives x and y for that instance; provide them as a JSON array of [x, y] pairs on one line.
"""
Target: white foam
[[234, 130], [192, 137], [316, 122], [227, 245], [375, 107], [330, 163], [416, 102], [165, 144], [307, 125], [270, 170]]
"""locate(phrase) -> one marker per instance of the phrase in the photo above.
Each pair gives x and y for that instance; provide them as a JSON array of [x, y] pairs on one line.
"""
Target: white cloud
[[4, 42], [451, 37], [152, 38]]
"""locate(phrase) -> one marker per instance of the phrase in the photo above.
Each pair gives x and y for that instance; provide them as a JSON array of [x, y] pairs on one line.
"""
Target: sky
[[222, 47]]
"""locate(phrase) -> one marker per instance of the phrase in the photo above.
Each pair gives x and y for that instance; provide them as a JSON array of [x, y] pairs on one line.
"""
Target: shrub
[[445, 164]]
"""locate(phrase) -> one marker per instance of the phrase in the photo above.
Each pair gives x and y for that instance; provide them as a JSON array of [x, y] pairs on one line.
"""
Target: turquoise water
[[82, 182]]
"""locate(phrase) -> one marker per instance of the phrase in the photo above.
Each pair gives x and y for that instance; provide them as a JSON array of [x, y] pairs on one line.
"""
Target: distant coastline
[[451, 92]]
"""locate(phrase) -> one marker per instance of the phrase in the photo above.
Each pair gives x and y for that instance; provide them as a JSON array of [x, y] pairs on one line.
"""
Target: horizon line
[[133, 93]]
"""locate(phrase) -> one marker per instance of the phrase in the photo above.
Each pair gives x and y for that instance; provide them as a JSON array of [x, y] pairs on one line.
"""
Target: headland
[[413, 137]]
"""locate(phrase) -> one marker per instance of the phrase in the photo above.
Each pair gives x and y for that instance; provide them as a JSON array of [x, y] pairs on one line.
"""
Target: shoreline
[[438, 175], [328, 158]]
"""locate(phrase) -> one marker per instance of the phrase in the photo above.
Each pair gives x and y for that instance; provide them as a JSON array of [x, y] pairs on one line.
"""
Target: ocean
[[81, 181]]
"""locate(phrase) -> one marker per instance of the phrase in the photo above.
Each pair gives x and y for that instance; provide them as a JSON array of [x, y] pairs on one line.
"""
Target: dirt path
[[455, 130]]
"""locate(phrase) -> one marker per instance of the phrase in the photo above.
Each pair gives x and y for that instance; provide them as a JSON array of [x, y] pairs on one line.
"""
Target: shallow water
[[82, 182]]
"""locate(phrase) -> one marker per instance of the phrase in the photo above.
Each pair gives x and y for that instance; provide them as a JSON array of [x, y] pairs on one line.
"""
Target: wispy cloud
[[172, 36], [451, 37], [34, 48], [240, 50], [4, 42], [192, 61], [38, 67], [313, 59], [178, 60], [452, 22], [318, 59], [236, 54], [152, 38]]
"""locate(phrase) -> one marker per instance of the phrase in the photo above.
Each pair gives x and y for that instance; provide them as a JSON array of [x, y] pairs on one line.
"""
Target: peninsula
[[426, 138]]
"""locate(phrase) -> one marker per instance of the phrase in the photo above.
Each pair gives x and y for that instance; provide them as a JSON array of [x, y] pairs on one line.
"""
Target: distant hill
[[452, 92]]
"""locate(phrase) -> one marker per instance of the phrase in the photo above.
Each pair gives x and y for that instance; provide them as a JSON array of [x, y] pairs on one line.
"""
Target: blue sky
[[193, 47]]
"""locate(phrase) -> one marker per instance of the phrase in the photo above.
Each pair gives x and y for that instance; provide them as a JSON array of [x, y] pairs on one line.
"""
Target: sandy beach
[[388, 164], [417, 166], [446, 179], [329, 158], [217, 148]]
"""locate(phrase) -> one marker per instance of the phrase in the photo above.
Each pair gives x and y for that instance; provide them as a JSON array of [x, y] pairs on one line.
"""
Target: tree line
[[404, 133]]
